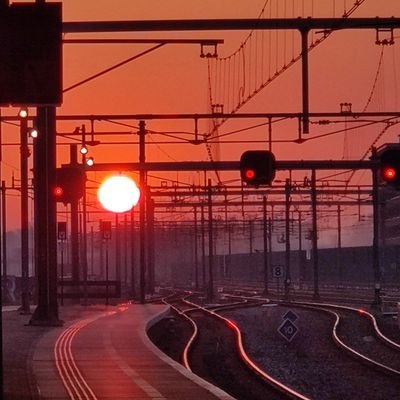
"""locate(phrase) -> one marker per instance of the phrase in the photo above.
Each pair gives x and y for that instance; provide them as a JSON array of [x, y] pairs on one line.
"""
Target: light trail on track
[[70, 374]]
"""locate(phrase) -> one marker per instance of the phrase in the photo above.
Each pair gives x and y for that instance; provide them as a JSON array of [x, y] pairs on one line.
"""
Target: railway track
[[341, 294], [371, 372], [209, 353], [370, 345], [379, 355]]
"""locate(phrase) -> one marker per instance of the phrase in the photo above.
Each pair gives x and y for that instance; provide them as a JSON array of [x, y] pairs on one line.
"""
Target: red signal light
[[257, 167], [250, 173], [58, 191], [389, 173], [389, 165], [70, 183]]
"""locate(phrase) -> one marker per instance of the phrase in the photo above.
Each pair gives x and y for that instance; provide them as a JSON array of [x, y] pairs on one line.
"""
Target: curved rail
[[356, 294], [325, 308], [185, 354], [378, 332], [251, 364]]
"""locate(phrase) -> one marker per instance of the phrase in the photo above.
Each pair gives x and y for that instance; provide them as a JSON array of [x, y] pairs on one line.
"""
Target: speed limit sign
[[277, 271]]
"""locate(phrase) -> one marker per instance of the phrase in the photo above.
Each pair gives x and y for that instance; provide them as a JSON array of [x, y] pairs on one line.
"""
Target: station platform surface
[[104, 353]]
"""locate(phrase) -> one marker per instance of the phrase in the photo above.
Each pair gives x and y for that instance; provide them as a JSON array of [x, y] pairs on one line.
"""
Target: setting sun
[[118, 194]]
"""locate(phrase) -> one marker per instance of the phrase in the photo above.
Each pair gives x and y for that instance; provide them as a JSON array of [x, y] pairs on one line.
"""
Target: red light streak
[[231, 324]]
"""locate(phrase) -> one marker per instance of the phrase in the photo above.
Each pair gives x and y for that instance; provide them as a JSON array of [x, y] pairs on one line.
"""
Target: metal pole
[[230, 228], [270, 242], [196, 252], [382, 234], [315, 234], [46, 313], [304, 59], [84, 239], [75, 228], [142, 211], [287, 239], [75, 259], [50, 132], [4, 229], [270, 134], [101, 254], [117, 250], [203, 248], [107, 293], [150, 243], [92, 250], [1, 345], [4, 274], [132, 245], [125, 251], [62, 271], [376, 238], [265, 239], [228, 271], [339, 243], [251, 237], [301, 264], [210, 245], [24, 153]]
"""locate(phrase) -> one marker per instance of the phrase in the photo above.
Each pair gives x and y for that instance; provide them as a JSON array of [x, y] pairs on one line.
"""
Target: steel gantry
[[302, 25], [45, 149], [209, 191]]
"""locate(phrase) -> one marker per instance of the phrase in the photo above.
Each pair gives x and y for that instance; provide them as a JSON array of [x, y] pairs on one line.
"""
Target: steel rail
[[247, 360], [378, 332], [326, 308], [331, 293], [185, 354]]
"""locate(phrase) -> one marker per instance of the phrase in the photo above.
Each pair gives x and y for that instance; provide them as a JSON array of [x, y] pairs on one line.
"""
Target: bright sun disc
[[118, 194]]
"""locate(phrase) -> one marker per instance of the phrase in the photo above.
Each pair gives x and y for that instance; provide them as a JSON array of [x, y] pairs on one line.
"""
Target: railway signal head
[[257, 167], [388, 174], [70, 184], [390, 166]]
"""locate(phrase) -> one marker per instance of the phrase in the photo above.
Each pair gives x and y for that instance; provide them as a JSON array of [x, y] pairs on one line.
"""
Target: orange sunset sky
[[174, 79]]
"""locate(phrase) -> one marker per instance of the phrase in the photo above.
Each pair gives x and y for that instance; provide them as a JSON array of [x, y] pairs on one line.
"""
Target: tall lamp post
[[24, 154]]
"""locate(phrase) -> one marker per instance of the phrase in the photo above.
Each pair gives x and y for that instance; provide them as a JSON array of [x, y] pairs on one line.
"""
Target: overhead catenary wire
[[246, 92]]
